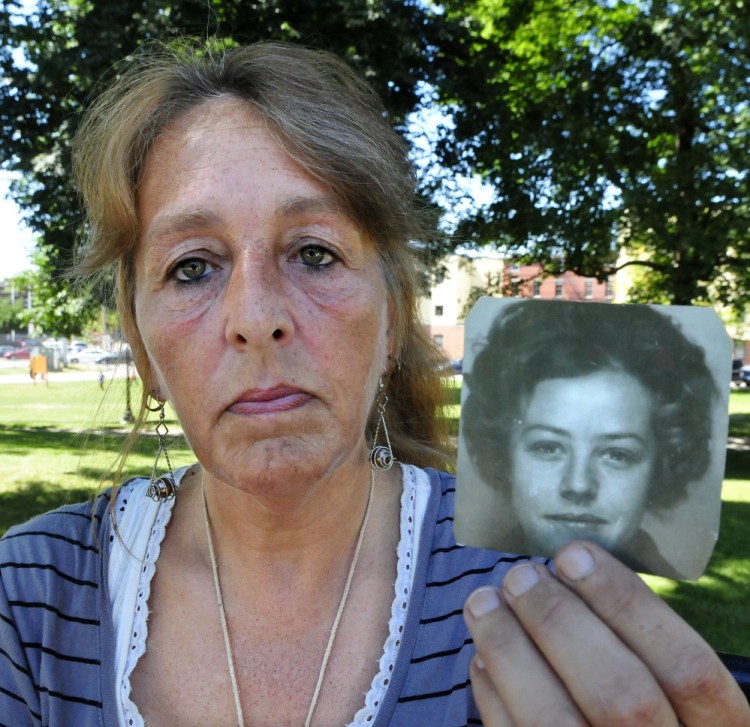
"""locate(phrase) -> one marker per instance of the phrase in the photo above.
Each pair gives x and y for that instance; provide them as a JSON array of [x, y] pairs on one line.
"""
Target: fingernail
[[482, 601], [478, 661], [520, 579], [575, 563]]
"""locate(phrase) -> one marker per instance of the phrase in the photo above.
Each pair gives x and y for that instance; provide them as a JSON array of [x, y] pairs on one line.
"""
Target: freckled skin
[[250, 277], [582, 460]]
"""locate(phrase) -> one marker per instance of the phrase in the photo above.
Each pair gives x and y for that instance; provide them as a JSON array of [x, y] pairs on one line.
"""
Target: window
[[536, 288], [609, 289], [588, 289], [558, 288], [438, 310], [438, 338]]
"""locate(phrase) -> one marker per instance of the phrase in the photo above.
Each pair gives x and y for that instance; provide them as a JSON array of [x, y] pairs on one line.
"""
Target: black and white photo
[[597, 421]]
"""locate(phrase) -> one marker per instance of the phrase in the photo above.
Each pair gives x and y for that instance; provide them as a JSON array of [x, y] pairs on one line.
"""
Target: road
[[82, 374]]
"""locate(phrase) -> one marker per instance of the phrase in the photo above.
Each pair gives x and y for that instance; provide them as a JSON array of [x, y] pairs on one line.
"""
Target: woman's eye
[[619, 457], [546, 450], [316, 256], [190, 269]]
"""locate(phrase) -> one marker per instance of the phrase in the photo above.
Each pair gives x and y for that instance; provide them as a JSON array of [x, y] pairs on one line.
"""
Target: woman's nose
[[579, 483], [256, 306]]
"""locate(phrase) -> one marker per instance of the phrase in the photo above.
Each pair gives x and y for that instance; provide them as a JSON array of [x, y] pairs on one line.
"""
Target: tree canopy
[[54, 59], [612, 132], [609, 127]]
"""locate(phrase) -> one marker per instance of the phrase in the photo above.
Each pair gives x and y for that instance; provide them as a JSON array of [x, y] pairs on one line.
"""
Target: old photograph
[[597, 421]]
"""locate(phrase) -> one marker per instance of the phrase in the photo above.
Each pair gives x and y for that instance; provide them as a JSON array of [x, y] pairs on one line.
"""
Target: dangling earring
[[381, 456], [161, 489]]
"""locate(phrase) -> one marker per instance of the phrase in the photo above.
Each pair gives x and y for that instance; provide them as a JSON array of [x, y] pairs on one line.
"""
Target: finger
[[491, 707], [608, 682], [528, 688], [695, 681]]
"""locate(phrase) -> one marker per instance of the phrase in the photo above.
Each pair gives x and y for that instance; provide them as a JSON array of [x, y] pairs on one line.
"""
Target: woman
[[586, 416], [258, 210]]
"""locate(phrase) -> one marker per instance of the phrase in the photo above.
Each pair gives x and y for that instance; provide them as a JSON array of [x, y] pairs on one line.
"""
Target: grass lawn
[[718, 604], [58, 444]]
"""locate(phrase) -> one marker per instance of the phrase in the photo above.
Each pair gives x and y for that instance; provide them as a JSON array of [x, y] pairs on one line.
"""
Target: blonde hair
[[332, 123]]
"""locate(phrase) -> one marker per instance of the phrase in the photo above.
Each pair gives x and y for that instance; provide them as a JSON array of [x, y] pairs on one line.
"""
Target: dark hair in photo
[[533, 341]]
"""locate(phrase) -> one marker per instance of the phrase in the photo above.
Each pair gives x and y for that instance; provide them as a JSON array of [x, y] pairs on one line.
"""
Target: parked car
[[17, 353], [743, 377], [87, 356], [451, 368], [116, 357]]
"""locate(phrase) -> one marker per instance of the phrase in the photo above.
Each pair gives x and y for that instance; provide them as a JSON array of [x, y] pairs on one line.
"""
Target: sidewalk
[[110, 372]]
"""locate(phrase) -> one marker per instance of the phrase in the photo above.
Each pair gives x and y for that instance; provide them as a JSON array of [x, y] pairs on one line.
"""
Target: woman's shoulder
[[50, 566], [53, 617], [77, 523], [81, 525], [444, 482]]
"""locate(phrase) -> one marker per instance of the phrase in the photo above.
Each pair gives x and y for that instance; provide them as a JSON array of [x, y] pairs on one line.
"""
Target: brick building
[[465, 278], [526, 281]]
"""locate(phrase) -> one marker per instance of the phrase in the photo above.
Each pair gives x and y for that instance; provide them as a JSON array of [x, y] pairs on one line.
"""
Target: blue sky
[[16, 241]]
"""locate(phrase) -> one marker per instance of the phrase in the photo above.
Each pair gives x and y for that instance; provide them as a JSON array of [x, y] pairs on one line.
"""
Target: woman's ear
[[145, 370], [149, 377]]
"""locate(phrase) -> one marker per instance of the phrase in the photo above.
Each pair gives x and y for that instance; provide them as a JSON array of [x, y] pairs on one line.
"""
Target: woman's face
[[582, 460], [262, 306]]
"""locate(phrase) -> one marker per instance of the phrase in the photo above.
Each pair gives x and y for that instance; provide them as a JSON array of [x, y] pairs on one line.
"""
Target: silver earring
[[381, 456], [163, 488]]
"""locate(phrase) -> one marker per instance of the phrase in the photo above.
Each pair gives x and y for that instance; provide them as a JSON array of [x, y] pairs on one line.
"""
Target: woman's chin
[[279, 470], [549, 543]]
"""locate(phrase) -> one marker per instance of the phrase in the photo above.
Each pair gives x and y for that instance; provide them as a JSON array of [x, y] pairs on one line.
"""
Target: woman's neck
[[301, 540]]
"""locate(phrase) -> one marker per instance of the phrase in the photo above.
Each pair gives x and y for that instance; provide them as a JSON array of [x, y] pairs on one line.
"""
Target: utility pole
[[127, 416]]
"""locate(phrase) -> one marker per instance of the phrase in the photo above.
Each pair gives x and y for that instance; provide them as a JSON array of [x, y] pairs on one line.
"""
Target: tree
[[608, 127], [613, 132], [10, 311], [51, 309], [65, 48]]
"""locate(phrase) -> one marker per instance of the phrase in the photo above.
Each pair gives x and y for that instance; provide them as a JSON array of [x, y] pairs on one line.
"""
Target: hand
[[592, 646]]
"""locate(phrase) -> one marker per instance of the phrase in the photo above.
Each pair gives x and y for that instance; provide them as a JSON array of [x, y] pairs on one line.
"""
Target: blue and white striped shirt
[[56, 633]]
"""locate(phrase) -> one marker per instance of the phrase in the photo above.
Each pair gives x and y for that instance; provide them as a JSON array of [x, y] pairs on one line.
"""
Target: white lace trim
[[131, 623], [399, 607], [132, 567]]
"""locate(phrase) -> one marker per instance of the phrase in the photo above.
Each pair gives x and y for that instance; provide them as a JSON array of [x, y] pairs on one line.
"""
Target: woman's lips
[[269, 401], [577, 518]]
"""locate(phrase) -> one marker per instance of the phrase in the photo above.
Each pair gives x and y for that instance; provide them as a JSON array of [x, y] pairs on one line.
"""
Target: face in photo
[[582, 459]]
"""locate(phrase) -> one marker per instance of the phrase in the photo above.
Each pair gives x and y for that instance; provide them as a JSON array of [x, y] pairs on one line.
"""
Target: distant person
[[38, 367], [586, 416]]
